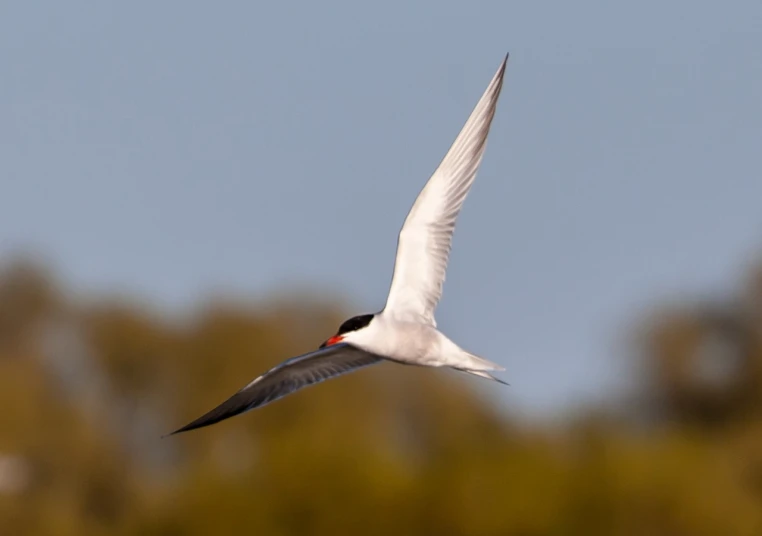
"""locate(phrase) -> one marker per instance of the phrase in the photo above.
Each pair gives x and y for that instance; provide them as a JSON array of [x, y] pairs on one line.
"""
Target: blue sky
[[173, 149]]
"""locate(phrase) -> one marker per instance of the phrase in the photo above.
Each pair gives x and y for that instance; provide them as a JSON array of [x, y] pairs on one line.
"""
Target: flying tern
[[405, 330]]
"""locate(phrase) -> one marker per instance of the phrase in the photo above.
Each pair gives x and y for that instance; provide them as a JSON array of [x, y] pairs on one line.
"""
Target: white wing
[[423, 246], [286, 378]]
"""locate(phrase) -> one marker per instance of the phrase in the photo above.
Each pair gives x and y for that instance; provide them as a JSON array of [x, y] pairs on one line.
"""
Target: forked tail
[[474, 362], [483, 374]]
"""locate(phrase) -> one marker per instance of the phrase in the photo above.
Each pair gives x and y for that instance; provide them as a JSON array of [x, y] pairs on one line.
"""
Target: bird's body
[[405, 331], [403, 341], [414, 343]]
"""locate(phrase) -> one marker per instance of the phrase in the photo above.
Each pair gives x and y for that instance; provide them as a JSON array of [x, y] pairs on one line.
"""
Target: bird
[[405, 330]]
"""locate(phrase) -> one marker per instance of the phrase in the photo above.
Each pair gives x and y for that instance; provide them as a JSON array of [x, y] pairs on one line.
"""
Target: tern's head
[[348, 328]]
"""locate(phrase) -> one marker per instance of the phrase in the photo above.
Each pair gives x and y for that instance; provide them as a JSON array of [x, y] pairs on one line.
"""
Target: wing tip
[[231, 407], [501, 71], [187, 428], [193, 425]]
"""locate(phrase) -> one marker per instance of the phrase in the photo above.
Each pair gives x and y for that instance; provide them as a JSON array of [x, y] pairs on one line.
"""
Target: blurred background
[[192, 192]]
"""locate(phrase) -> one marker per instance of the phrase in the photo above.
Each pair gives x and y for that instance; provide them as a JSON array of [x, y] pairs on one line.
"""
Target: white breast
[[407, 342]]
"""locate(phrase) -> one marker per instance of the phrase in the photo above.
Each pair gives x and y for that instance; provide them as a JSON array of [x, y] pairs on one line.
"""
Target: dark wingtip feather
[[233, 406]]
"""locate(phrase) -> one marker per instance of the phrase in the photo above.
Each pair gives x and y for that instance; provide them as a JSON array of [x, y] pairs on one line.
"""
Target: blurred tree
[[27, 294], [703, 363], [387, 450]]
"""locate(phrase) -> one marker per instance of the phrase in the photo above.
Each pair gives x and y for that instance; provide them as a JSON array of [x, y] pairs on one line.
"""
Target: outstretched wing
[[423, 246], [286, 378]]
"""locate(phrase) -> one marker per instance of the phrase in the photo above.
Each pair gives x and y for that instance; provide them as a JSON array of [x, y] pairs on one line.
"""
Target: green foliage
[[378, 452]]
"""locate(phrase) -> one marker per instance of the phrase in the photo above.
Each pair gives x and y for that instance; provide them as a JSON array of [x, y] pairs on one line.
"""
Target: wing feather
[[423, 246], [286, 378]]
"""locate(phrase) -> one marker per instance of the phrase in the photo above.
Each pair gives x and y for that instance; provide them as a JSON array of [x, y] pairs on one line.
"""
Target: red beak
[[333, 340]]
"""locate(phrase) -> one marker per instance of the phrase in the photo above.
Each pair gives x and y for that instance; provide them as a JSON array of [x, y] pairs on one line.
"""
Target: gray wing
[[286, 378]]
